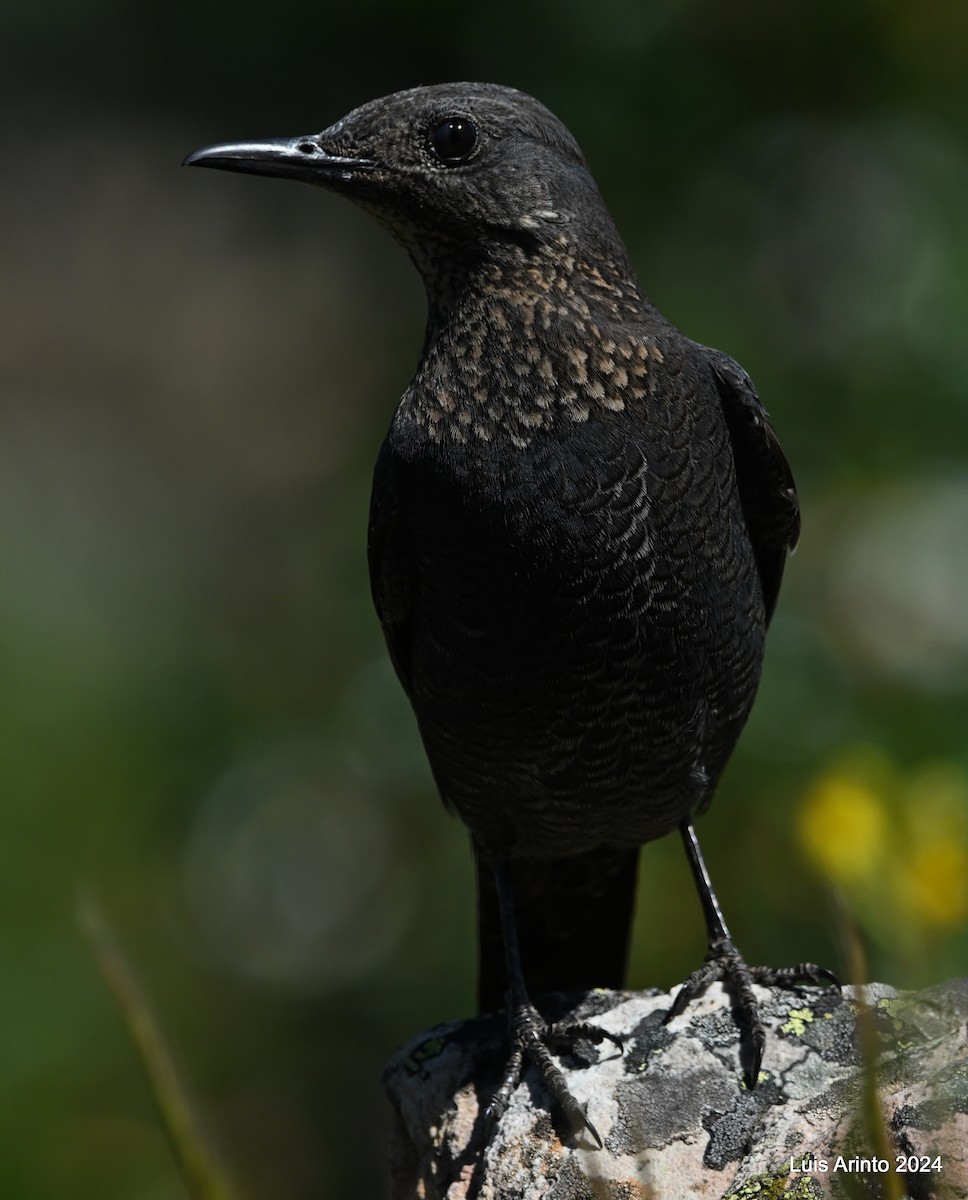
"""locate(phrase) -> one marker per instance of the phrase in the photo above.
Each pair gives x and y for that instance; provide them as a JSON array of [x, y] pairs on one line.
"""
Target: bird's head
[[464, 168]]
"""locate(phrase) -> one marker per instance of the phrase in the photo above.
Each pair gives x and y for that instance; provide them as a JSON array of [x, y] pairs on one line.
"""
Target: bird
[[578, 529]]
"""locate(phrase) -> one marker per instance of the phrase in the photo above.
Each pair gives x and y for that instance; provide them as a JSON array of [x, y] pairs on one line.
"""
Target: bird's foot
[[724, 963], [531, 1039]]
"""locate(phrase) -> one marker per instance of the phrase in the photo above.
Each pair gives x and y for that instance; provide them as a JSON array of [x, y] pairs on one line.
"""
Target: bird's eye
[[454, 140]]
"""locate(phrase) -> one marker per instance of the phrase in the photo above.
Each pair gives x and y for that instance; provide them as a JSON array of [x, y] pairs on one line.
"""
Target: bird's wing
[[388, 556], [766, 487]]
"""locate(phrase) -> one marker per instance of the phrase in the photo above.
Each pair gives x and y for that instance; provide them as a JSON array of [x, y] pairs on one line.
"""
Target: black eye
[[454, 140]]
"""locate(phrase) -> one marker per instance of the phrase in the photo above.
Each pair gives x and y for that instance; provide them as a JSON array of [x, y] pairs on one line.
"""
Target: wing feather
[[767, 491], [389, 561]]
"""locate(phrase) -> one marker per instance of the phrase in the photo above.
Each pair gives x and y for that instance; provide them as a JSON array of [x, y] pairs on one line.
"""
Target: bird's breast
[[508, 373], [586, 622]]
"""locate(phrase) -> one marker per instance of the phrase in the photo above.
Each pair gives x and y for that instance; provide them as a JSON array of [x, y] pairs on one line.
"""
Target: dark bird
[[578, 529]]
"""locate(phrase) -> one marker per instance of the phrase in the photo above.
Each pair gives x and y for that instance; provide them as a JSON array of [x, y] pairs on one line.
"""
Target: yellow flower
[[932, 883], [897, 844], [844, 827]]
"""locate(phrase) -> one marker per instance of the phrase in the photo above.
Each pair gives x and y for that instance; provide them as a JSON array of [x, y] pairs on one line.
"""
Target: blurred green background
[[197, 718]]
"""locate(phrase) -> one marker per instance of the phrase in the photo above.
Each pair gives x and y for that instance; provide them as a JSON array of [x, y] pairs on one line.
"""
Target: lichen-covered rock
[[853, 1089]]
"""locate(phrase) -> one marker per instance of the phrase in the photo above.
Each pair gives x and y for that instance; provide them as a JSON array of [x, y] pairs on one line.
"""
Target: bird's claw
[[725, 964], [792, 977], [567, 1033], [530, 1037], [502, 1097]]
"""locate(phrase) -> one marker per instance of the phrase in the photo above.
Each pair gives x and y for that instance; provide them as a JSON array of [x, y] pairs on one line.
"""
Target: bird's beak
[[295, 158]]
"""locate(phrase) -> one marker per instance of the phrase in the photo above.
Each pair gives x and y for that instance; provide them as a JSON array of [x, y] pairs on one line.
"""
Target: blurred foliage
[[204, 1177], [896, 845], [197, 716]]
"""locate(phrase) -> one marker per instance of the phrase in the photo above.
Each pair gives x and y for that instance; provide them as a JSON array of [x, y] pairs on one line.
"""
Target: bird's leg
[[530, 1033], [725, 963]]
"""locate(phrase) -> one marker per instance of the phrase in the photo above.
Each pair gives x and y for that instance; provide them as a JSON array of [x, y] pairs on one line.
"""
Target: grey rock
[[851, 1084]]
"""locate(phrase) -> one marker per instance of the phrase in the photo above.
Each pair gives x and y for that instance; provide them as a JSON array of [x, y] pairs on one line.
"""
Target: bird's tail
[[574, 918]]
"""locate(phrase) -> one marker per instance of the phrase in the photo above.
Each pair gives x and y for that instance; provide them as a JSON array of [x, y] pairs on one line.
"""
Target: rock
[[675, 1117]]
